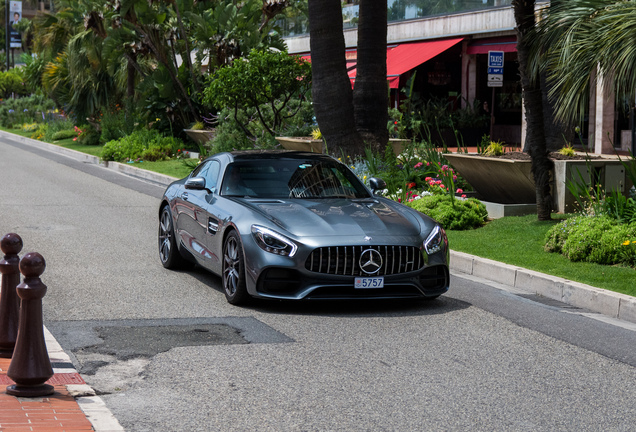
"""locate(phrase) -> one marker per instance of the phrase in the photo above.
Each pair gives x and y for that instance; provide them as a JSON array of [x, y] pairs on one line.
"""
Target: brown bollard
[[11, 245], [30, 365]]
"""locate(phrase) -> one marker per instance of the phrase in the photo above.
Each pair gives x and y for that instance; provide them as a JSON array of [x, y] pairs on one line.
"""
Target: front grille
[[344, 260]]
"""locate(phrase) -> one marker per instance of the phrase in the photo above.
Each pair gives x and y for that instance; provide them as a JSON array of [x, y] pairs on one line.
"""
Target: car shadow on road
[[353, 308], [362, 307]]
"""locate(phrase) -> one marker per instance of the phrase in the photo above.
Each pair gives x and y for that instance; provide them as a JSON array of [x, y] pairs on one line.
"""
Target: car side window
[[200, 170], [212, 175]]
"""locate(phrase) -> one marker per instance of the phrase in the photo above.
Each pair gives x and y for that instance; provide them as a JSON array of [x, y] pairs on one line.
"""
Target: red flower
[[411, 185]]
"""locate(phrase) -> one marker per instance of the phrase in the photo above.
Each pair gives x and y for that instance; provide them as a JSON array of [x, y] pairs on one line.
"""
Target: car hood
[[338, 217]]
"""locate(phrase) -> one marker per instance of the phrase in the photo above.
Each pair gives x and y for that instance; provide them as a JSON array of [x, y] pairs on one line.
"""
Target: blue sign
[[495, 59], [495, 70]]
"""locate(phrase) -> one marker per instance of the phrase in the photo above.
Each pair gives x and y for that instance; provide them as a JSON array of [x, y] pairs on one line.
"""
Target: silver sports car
[[293, 225]]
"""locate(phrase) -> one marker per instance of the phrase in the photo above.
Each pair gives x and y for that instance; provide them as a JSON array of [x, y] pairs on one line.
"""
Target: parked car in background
[[295, 225]]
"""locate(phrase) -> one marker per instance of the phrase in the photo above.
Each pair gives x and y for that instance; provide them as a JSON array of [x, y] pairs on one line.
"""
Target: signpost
[[495, 79], [495, 68], [13, 37]]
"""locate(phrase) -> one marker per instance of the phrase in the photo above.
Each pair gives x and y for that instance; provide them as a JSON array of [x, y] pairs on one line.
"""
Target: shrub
[[463, 214], [142, 144], [116, 123], [567, 150], [64, 134], [229, 136], [88, 135], [15, 112], [494, 149], [596, 239], [30, 127], [55, 126], [39, 133]]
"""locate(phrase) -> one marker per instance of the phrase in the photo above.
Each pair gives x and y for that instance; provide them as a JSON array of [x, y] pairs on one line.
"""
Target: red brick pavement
[[55, 413]]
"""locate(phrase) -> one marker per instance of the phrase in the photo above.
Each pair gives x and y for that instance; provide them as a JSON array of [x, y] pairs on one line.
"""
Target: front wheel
[[168, 252], [234, 270]]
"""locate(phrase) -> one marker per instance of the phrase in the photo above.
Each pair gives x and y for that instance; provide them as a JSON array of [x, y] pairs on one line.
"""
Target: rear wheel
[[234, 270], [168, 252]]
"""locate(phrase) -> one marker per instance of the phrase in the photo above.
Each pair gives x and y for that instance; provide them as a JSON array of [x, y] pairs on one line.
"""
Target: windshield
[[291, 178]]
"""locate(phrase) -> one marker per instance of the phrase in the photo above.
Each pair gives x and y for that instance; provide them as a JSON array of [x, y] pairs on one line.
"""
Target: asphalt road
[[168, 353]]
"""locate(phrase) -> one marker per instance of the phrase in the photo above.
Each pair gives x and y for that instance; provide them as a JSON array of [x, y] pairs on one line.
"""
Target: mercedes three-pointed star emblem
[[370, 261]]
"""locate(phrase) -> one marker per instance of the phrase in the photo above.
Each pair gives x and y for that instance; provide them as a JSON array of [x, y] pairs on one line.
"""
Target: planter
[[201, 136], [609, 173], [502, 181], [399, 145], [509, 181], [301, 144]]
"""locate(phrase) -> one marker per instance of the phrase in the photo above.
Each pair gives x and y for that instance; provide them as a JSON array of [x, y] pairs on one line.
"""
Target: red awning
[[482, 46], [405, 57]]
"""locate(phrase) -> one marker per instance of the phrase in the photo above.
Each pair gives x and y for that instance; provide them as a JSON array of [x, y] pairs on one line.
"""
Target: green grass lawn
[[519, 241], [513, 240], [173, 167], [178, 168]]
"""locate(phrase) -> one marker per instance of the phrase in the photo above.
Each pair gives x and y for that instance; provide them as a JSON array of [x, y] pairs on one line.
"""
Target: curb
[[609, 303], [100, 417]]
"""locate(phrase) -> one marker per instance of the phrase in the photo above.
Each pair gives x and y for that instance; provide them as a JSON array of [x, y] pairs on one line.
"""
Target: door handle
[[184, 196]]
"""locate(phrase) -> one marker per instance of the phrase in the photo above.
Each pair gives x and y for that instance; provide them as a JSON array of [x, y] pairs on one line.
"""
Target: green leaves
[[263, 77], [582, 40]]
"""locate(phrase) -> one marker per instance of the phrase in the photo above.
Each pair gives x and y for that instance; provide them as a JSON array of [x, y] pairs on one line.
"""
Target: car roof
[[273, 154]]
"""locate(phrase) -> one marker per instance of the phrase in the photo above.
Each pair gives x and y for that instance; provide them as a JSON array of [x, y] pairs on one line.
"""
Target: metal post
[[11, 246], [30, 365], [7, 32], [633, 120]]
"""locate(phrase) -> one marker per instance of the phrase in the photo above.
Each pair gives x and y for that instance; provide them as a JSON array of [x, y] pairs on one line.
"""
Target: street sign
[[496, 59], [495, 68], [495, 80]]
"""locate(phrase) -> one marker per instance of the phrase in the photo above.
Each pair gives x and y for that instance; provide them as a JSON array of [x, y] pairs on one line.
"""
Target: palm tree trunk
[[533, 103], [370, 94], [332, 94]]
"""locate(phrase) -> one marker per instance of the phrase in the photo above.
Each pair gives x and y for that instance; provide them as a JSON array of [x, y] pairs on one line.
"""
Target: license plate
[[369, 282]]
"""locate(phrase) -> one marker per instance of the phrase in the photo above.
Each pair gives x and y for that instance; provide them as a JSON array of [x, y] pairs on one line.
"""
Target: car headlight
[[271, 241], [436, 240]]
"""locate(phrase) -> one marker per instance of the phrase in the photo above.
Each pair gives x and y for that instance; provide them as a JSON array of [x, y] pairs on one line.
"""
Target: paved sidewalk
[[73, 406]]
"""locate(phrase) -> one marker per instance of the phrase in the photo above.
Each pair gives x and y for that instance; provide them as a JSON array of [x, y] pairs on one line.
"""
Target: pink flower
[[464, 196], [442, 186], [418, 165], [459, 190], [428, 179]]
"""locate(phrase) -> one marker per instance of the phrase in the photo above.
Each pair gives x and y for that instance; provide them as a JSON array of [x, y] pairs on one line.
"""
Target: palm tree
[[349, 118], [584, 40], [524, 11], [370, 95], [331, 88]]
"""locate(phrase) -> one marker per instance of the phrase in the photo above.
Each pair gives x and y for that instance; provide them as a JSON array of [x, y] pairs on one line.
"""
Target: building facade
[[447, 54]]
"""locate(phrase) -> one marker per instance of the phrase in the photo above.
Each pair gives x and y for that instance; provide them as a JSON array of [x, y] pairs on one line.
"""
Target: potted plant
[[200, 134], [313, 144], [397, 131]]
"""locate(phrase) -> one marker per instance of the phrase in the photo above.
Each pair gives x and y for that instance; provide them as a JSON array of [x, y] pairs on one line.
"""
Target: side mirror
[[376, 184], [195, 183]]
